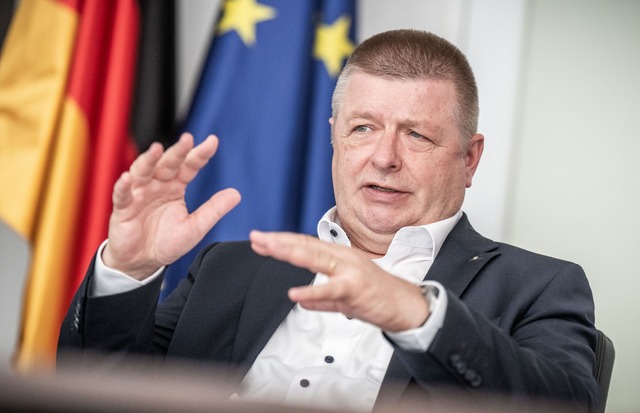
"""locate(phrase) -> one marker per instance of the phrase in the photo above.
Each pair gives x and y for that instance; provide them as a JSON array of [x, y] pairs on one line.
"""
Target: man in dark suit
[[335, 320]]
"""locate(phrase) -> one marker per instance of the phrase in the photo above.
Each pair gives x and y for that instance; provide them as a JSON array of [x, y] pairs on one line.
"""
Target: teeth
[[379, 188]]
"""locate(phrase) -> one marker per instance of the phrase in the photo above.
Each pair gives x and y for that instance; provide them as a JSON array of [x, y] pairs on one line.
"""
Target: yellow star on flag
[[333, 44], [243, 16]]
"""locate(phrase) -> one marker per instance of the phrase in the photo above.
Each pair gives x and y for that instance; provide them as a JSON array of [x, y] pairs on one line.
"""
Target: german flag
[[67, 73]]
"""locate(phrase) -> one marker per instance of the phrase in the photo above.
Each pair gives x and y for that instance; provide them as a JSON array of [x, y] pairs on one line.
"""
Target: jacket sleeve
[[123, 323], [541, 350], [115, 323]]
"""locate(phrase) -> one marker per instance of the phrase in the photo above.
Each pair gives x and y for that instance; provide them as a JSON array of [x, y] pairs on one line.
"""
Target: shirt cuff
[[109, 281], [419, 339]]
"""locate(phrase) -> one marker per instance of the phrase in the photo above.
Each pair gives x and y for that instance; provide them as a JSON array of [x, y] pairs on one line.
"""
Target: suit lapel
[[462, 256], [266, 306]]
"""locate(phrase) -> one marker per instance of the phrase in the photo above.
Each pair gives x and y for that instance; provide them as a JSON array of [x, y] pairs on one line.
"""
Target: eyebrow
[[410, 123], [357, 114]]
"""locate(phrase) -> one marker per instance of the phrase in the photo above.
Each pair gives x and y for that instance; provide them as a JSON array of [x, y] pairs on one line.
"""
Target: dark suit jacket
[[517, 323]]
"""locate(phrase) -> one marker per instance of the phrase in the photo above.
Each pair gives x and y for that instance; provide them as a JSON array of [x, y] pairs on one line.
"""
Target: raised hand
[[357, 287], [150, 225]]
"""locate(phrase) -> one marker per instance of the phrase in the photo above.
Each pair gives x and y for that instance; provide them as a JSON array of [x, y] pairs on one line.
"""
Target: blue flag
[[265, 91]]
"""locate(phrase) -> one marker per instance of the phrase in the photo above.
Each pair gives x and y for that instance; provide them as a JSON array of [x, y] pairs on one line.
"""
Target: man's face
[[398, 159]]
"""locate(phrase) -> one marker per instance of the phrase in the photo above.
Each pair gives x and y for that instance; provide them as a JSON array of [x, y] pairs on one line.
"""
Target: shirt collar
[[329, 230]]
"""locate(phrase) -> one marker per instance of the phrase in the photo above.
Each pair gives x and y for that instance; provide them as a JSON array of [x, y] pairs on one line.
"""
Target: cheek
[[341, 161], [440, 176], [452, 180], [338, 170], [341, 172]]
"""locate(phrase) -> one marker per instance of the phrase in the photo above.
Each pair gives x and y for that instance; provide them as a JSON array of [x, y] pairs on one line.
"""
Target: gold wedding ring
[[332, 265]]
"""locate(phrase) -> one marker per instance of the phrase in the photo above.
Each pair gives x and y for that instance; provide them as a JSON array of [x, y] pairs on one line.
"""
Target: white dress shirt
[[323, 359]]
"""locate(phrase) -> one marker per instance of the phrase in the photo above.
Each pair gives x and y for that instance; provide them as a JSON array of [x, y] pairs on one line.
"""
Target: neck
[[371, 243], [374, 247]]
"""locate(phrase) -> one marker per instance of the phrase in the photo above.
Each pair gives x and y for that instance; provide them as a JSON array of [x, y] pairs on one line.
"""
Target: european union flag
[[266, 93]]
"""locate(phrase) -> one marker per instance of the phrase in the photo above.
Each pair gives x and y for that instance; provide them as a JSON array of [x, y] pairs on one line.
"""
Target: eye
[[416, 135], [361, 128]]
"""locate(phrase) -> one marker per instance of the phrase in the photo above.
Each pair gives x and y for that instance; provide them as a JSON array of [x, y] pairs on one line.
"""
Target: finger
[[300, 250], [122, 195], [330, 292], [319, 306], [197, 158], [141, 170], [209, 213], [172, 159], [323, 299]]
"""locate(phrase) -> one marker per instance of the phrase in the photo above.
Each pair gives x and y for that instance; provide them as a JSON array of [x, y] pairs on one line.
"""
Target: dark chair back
[[602, 371]]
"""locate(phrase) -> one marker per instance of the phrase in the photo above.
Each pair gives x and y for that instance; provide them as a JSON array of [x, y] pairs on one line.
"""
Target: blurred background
[[559, 108]]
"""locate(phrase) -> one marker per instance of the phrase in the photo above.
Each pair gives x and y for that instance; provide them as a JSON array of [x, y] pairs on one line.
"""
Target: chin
[[383, 225]]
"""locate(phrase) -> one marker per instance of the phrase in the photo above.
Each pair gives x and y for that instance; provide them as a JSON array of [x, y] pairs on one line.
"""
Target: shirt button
[[304, 383], [333, 233], [329, 359]]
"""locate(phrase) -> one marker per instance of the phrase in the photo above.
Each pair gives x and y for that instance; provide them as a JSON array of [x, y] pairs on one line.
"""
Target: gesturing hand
[[357, 287], [150, 225]]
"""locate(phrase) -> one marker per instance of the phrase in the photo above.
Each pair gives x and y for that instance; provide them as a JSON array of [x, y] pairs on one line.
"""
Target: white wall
[[575, 190], [15, 254]]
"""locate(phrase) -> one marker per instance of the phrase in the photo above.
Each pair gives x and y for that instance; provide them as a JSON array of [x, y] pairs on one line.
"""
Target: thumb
[[216, 207]]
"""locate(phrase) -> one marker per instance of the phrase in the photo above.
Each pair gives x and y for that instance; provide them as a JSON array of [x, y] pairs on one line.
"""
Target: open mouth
[[382, 189]]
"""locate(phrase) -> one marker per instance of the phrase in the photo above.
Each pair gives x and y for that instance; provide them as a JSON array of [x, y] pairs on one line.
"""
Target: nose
[[386, 155]]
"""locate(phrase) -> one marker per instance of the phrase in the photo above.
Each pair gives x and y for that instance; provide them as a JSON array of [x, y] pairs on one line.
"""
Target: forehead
[[422, 100]]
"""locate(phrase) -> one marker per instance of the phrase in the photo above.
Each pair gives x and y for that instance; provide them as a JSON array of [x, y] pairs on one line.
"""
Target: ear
[[473, 155], [331, 122]]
